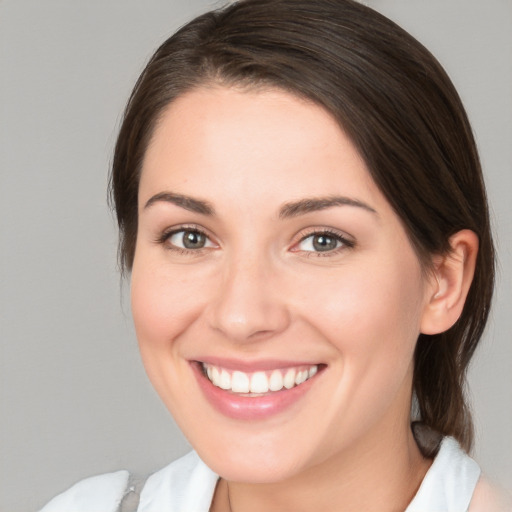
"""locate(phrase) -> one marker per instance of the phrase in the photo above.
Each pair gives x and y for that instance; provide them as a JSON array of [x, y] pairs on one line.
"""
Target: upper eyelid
[[164, 240], [186, 227], [167, 233], [346, 242], [317, 230]]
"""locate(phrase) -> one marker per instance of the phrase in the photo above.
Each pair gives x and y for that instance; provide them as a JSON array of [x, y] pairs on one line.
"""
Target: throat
[[332, 486]]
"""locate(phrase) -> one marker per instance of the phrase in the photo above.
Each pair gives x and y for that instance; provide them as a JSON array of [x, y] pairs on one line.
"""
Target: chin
[[253, 468]]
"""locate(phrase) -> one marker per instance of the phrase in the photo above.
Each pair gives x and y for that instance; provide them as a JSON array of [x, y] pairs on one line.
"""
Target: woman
[[302, 212]]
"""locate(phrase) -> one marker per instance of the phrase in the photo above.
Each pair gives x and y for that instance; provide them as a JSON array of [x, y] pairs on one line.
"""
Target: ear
[[449, 285]]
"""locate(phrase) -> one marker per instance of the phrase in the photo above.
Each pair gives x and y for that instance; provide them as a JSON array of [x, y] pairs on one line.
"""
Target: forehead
[[228, 142]]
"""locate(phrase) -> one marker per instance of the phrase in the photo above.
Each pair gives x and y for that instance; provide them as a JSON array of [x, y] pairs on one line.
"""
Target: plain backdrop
[[73, 395]]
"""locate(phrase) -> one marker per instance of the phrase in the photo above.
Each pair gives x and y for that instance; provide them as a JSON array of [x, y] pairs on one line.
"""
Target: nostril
[[247, 317]]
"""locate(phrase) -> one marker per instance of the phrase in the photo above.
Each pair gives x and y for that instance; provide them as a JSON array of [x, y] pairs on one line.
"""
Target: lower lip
[[250, 408]]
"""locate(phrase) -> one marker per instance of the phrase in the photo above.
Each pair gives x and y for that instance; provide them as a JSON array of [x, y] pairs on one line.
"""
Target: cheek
[[370, 310], [163, 305]]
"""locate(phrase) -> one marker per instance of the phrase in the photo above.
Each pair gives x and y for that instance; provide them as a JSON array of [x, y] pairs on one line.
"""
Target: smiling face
[[268, 261]]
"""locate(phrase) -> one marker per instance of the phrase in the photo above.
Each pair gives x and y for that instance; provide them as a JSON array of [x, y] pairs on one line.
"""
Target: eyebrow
[[186, 202], [315, 204], [288, 210]]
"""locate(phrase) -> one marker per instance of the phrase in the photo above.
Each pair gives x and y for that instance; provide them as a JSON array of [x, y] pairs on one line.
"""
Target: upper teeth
[[258, 382]]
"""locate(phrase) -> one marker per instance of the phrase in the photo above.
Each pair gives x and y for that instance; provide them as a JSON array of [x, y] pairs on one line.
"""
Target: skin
[[258, 290]]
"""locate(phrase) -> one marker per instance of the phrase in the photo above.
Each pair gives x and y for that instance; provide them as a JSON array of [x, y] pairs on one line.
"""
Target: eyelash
[[164, 238], [345, 243]]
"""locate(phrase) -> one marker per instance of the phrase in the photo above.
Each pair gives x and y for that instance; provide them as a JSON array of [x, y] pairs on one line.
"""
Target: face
[[268, 262]]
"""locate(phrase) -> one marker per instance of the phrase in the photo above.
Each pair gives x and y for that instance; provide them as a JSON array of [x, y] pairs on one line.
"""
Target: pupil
[[193, 240], [324, 243]]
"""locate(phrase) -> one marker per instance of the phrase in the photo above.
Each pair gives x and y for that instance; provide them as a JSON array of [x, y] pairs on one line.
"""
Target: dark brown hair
[[394, 101]]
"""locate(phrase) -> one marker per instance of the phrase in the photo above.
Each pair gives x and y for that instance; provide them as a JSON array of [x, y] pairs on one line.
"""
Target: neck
[[383, 472]]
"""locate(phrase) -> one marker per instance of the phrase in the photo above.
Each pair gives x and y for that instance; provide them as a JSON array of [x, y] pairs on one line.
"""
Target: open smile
[[254, 395], [259, 382]]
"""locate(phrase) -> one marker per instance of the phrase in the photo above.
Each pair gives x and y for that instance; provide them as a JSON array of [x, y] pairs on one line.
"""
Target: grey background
[[73, 395]]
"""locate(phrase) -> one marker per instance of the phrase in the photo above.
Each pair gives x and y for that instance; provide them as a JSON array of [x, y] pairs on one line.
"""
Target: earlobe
[[451, 279]]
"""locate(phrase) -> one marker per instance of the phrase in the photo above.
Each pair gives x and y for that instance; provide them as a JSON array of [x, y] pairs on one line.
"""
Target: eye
[[323, 242], [186, 240]]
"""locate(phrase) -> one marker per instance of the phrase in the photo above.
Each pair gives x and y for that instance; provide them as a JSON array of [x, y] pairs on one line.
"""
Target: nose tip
[[248, 307], [244, 328]]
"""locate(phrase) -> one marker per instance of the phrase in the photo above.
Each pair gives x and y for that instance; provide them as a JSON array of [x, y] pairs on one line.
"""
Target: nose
[[248, 304]]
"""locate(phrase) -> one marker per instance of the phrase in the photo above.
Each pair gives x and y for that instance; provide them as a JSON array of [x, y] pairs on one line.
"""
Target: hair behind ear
[[451, 330]]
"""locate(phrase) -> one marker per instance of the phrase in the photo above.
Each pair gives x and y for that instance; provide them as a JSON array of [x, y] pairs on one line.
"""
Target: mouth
[[259, 383], [242, 392]]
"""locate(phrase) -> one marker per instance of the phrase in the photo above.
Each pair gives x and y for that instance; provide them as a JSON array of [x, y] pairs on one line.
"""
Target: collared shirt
[[188, 485]]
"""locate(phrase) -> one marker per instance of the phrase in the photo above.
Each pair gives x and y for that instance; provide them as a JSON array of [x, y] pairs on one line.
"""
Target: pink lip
[[254, 366], [250, 408]]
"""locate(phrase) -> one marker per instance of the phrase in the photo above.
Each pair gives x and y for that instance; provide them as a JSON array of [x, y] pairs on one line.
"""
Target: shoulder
[[449, 483], [185, 484], [101, 493], [454, 482], [489, 498]]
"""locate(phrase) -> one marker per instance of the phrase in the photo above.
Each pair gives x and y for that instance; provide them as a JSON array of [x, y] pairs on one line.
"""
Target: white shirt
[[188, 485]]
